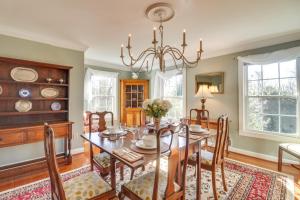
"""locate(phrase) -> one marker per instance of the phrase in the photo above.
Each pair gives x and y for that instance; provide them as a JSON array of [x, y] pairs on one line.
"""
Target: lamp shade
[[203, 92]]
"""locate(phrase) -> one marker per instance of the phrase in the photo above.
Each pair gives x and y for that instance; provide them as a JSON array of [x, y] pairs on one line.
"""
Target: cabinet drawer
[[37, 134], [11, 138]]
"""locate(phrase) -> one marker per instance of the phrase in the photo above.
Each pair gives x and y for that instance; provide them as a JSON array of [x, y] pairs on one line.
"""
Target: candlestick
[[200, 44], [184, 37], [154, 34], [122, 50], [129, 37]]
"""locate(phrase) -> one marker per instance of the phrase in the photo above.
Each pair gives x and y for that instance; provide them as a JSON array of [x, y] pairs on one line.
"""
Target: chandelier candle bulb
[[200, 44]]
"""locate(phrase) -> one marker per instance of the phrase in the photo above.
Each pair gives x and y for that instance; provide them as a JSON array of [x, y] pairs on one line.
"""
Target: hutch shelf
[[26, 127]]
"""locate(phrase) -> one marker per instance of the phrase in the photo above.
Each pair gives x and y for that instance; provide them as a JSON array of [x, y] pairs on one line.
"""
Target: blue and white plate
[[55, 106], [25, 92]]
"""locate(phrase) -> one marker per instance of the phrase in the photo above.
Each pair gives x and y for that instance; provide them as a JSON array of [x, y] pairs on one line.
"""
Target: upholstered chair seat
[[143, 186], [206, 157], [103, 159], [85, 186]]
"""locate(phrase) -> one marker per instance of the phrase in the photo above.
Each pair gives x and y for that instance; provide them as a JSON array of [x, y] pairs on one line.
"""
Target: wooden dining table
[[108, 146]]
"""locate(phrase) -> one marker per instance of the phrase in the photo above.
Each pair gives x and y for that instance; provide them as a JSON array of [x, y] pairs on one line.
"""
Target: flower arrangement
[[156, 108]]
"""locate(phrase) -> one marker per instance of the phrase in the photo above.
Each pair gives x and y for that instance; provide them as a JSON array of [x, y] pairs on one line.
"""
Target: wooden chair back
[[221, 139], [57, 191], [100, 118], [201, 116], [173, 165]]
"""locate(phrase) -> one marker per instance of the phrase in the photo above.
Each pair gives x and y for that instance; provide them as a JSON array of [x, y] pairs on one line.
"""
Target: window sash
[[245, 101]]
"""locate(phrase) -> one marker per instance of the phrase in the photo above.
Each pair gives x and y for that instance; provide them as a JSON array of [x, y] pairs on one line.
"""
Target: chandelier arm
[[124, 63], [141, 66], [175, 51], [150, 50], [174, 59]]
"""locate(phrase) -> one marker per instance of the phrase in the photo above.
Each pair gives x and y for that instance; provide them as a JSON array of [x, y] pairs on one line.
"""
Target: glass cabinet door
[[134, 96]]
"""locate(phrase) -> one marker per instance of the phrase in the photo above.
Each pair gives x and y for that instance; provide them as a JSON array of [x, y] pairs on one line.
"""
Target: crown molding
[[8, 31], [104, 64]]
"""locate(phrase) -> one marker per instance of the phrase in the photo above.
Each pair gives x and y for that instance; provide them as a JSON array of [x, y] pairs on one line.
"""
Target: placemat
[[193, 137], [128, 154]]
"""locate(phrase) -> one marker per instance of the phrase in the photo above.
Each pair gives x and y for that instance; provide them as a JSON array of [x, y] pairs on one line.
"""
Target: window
[[174, 93], [271, 99], [100, 91], [103, 93]]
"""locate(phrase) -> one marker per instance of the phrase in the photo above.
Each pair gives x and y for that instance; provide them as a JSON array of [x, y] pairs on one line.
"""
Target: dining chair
[[159, 184], [212, 160], [85, 186], [202, 117], [101, 160]]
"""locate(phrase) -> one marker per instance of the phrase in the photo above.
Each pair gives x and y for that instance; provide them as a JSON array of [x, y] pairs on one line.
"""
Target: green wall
[[34, 51], [228, 102]]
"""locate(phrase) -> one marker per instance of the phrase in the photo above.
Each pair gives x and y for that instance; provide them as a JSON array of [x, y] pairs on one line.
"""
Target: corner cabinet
[[32, 93], [133, 93]]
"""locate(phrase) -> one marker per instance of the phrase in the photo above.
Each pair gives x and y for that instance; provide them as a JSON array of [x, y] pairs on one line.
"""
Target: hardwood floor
[[83, 159]]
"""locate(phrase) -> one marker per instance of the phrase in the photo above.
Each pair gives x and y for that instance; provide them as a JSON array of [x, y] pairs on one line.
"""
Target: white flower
[[157, 102], [146, 103], [166, 105]]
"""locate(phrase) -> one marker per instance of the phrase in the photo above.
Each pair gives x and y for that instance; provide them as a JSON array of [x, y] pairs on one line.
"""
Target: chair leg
[[223, 177], [279, 159], [214, 185], [121, 195], [91, 157], [122, 172], [132, 174]]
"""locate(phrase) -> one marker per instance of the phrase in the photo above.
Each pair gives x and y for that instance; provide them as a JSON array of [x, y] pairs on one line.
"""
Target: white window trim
[[278, 56]]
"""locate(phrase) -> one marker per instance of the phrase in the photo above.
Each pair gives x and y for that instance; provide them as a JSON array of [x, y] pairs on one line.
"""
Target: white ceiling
[[99, 27]]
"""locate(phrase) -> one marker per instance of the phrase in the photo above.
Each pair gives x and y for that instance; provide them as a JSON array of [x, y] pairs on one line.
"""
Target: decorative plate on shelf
[[1, 90], [50, 92], [24, 74], [25, 92], [55, 106], [23, 106]]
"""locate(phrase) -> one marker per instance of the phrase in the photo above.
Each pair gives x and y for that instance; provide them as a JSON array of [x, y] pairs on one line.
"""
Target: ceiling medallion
[[159, 12]]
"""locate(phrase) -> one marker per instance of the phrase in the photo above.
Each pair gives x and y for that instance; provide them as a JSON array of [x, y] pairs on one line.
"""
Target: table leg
[[113, 172], [198, 195]]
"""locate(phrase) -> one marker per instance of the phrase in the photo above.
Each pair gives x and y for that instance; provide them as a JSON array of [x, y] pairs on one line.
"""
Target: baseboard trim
[[261, 156], [77, 151]]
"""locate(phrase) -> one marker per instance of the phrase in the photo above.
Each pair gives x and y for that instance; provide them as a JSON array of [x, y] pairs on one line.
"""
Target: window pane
[[254, 105], [254, 88], [270, 123], [270, 71], [288, 87], [270, 105], [254, 72], [254, 122], [288, 124], [288, 106], [271, 87], [288, 69]]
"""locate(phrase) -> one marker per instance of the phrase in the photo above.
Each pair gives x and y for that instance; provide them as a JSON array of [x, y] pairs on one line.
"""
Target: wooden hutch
[[133, 94], [26, 126]]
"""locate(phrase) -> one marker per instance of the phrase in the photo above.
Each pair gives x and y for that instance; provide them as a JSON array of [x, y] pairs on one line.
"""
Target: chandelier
[[159, 12]]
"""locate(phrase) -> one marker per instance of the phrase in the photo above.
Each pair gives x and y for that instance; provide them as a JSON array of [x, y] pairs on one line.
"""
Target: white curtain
[[89, 73], [159, 79], [273, 57]]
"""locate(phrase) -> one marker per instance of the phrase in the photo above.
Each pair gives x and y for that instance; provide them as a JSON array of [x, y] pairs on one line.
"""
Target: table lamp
[[203, 93]]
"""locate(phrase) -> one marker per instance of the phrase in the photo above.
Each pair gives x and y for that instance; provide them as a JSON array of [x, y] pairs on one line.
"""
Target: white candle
[[200, 44], [183, 37], [129, 37], [122, 50], [154, 34]]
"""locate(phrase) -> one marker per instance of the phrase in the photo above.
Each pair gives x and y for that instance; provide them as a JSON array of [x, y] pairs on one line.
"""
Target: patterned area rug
[[243, 181]]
